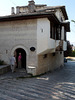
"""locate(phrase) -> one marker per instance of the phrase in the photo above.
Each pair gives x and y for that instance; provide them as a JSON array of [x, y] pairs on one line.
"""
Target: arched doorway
[[23, 53]]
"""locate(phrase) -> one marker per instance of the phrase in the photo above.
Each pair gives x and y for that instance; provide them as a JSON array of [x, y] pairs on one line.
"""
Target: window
[[58, 32], [52, 31], [64, 34], [55, 31]]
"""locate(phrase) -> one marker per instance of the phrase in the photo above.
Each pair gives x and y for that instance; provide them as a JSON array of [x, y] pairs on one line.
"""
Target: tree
[[69, 50], [73, 21]]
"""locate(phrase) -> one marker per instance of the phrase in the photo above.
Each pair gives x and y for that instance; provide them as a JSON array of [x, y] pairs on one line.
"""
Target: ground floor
[[33, 63]]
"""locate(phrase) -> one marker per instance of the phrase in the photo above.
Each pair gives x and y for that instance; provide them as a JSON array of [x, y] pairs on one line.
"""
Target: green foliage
[[2, 62], [73, 21], [69, 50], [73, 53]]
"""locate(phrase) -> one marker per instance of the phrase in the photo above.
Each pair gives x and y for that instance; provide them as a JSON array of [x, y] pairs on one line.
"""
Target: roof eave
[[64, 12], [66, 25], [50, 16]]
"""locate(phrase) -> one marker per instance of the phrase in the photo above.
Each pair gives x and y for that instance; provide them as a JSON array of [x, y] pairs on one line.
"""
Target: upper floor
[[51, 23], [59, 11]]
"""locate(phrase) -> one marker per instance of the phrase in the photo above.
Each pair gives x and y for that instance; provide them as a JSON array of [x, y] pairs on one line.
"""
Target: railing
[[62, 45]]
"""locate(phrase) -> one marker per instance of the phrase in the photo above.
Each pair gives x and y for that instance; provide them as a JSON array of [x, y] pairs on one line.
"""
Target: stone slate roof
[[51, 8], [46, 12]]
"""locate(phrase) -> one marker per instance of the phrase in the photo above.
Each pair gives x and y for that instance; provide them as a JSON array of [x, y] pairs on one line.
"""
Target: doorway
[[23, 60]]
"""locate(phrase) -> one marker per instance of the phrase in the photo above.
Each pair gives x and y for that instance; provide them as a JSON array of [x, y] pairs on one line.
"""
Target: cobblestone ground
[[58, 85]]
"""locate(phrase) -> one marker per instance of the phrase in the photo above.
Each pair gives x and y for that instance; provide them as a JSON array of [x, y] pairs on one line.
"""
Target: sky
[[5, 9]]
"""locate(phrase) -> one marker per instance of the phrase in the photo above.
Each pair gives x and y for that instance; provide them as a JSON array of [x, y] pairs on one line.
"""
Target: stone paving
[[57, 85]]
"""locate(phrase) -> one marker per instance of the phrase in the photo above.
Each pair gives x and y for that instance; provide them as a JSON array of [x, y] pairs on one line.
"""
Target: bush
[[2, 62], [73, 53], [69, 50]]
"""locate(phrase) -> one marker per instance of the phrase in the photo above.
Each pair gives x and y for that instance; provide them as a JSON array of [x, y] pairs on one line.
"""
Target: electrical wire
[[12, 2]]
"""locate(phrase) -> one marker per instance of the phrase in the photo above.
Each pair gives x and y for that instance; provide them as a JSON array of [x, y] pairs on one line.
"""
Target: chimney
[[17, 10], [31, 6], [12, 11]]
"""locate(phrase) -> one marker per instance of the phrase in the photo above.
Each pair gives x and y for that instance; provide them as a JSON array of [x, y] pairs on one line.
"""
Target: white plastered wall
[[18, 34], [42, 34], [44, 42], [59, 15]]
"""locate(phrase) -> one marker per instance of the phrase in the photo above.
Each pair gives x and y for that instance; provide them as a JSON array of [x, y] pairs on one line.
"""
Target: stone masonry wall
[[49, 62], [18, 33]]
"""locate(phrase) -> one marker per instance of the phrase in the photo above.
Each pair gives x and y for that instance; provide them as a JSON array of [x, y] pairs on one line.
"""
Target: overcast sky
[[5, 9]]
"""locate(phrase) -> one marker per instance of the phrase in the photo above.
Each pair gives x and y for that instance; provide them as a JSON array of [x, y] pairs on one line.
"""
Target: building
[[38, 32], [73, 48]]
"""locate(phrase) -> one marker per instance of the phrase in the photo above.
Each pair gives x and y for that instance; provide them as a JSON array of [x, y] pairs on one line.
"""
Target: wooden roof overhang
[[50, 16], [66, 25], [64, 12], [59, 7]]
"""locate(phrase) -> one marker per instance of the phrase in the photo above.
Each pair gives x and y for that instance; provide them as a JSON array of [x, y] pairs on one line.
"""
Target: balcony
[[51, 46], [46, 46], [61, 45]]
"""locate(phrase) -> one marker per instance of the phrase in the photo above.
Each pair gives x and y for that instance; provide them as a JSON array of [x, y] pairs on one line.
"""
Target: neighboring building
[[73, 48], [39, 33]]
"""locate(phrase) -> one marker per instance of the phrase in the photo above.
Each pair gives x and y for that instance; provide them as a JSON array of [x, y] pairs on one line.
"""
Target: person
[[19, 60], [13, 63]]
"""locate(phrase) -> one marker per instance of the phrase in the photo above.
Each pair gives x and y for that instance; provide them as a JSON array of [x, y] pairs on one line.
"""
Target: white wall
[[43, 30], [15, 34], [62, 33], [59, 14], [62, 38], [64, 45], [44, 42]]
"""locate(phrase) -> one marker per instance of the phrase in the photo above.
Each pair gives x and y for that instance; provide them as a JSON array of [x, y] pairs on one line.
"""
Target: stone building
[[38, 32]]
